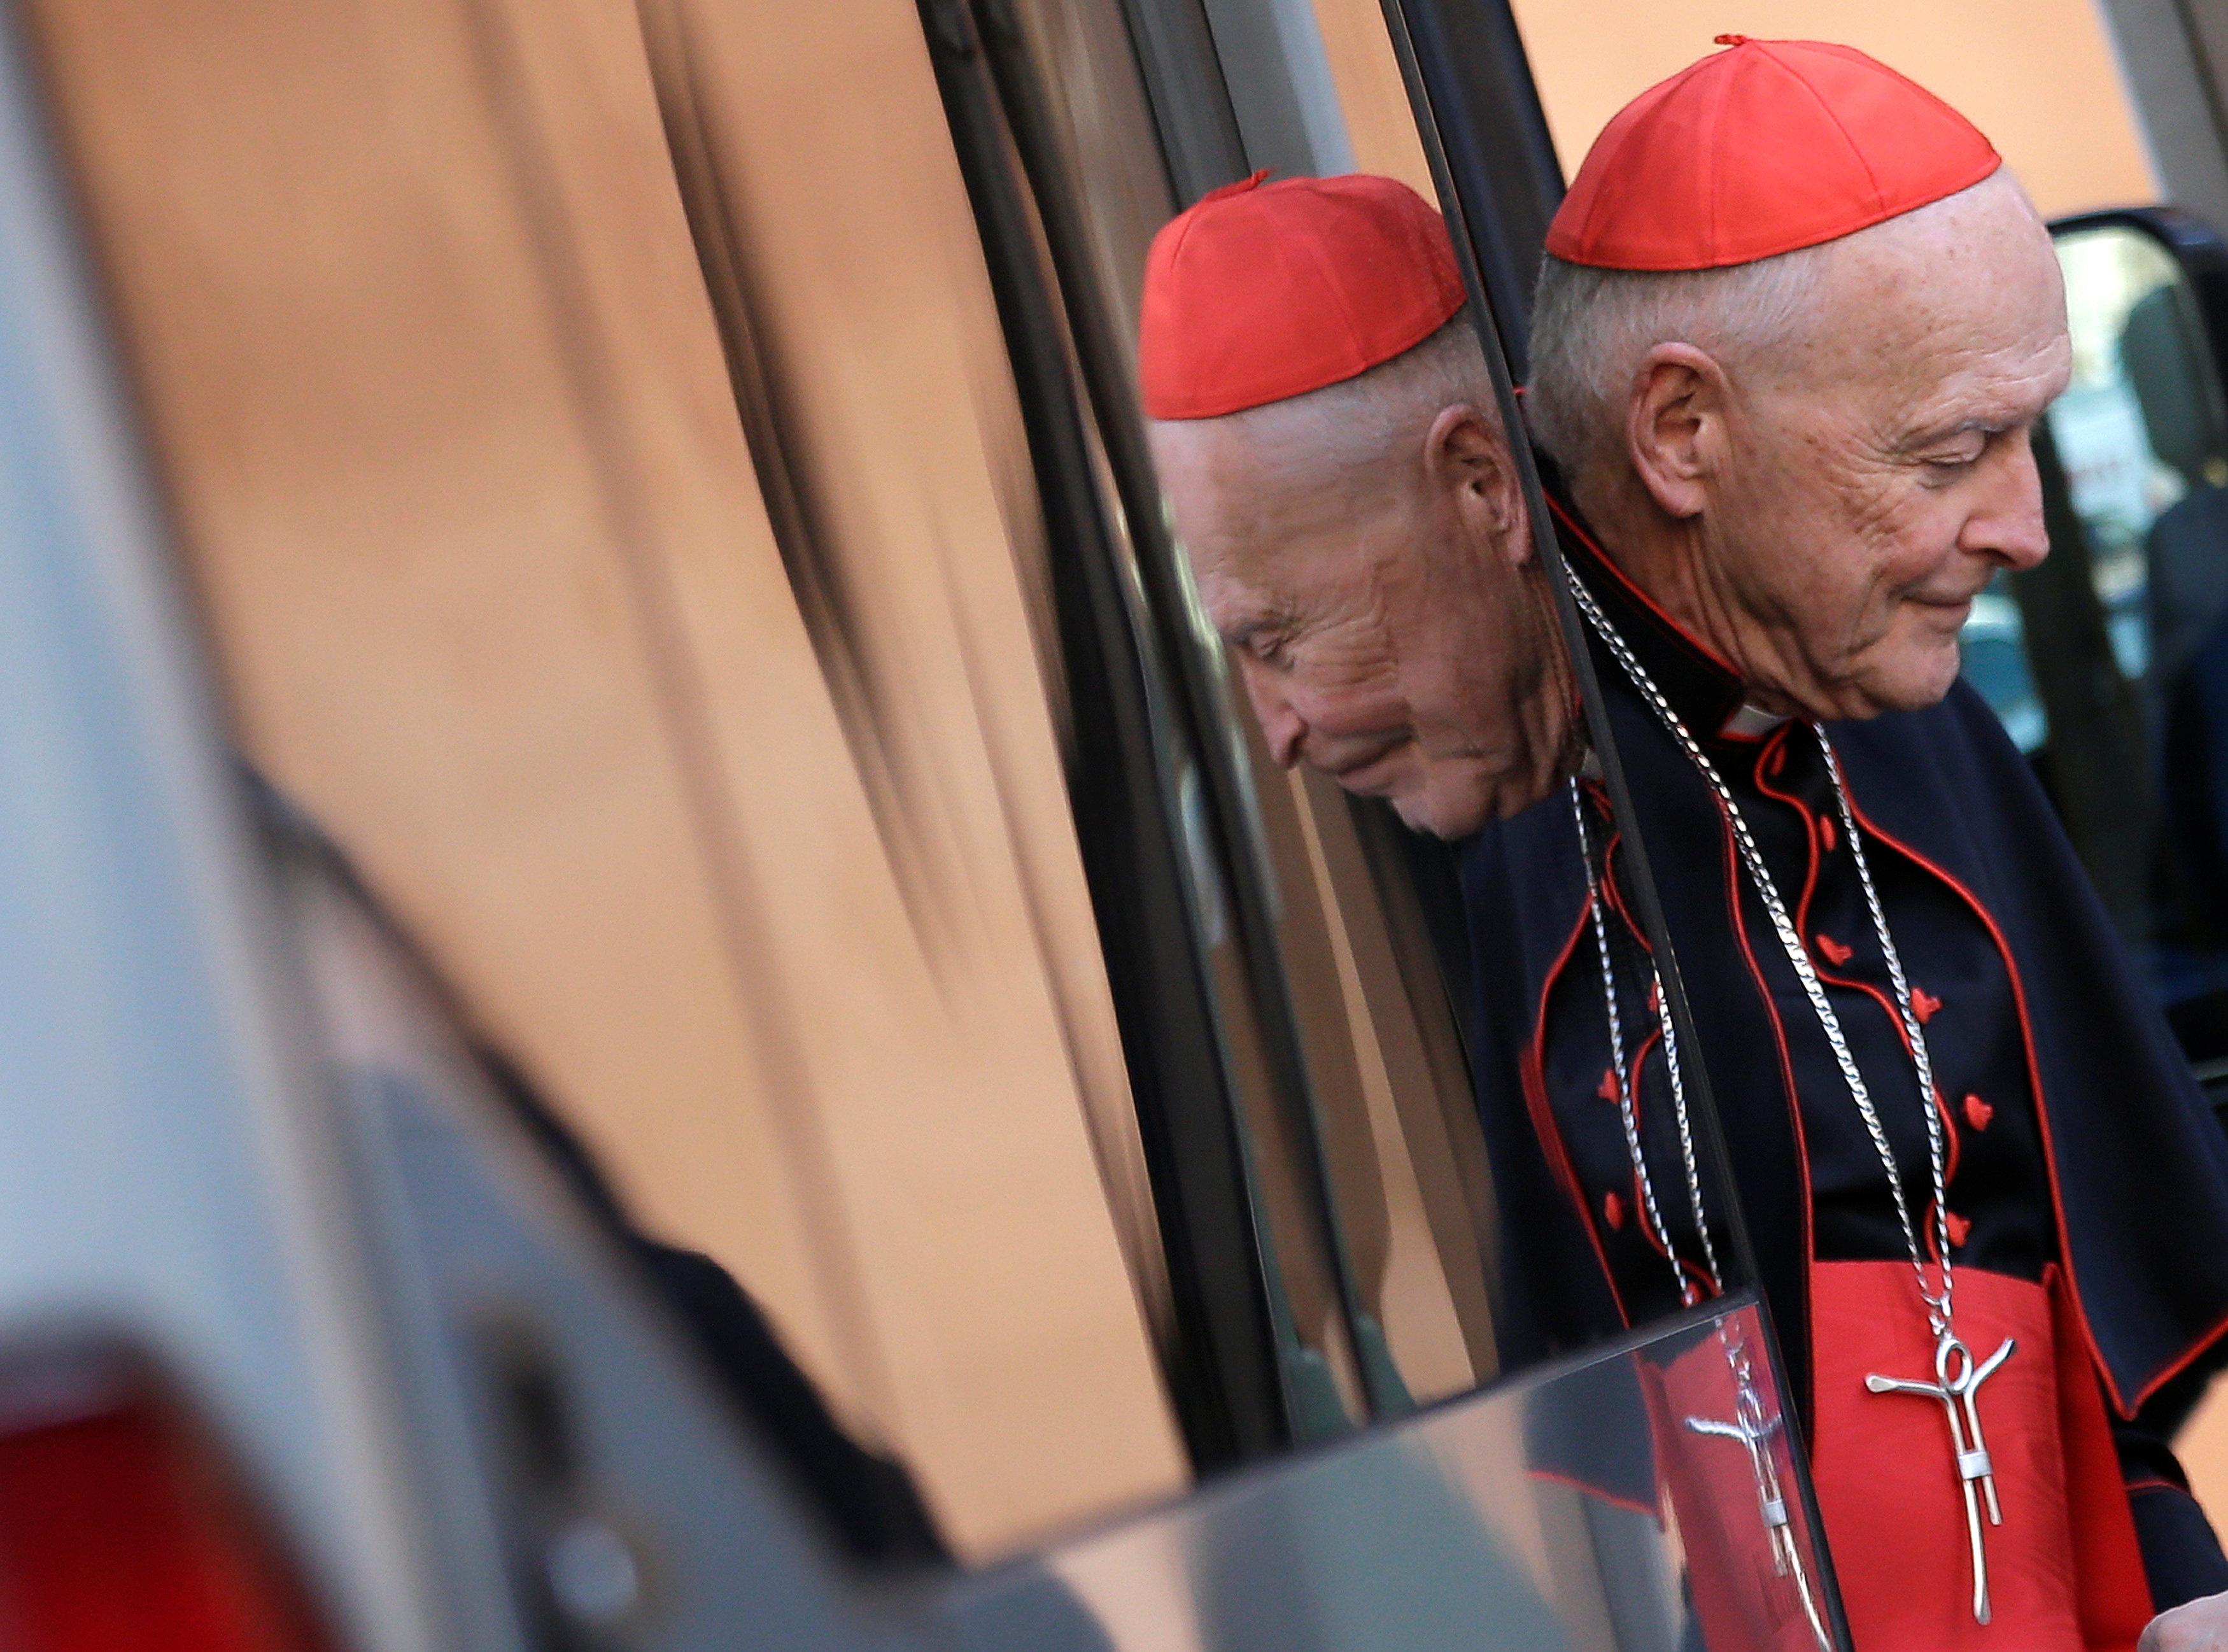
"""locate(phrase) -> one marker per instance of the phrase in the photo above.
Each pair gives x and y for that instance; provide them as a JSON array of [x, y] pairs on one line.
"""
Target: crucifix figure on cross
[[1956, 1386], [1753, 1428]]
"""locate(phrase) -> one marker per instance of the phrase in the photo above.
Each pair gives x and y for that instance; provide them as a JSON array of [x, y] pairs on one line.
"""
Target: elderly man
[[1795, 331]]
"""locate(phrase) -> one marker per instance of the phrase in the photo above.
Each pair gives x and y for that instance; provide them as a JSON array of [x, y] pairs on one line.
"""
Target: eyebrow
[[2004, 415], [1266, 622], [1935, 434]]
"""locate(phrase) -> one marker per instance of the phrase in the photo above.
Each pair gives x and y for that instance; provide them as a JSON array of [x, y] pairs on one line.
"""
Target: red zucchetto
[[1772, 145], [1260, 292]]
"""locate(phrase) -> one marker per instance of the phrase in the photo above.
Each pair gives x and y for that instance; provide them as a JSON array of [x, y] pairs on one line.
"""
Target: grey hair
[[1351, 427], [1591, 329]]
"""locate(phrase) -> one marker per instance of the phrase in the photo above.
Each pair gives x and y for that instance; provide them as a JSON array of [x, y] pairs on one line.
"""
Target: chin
[[1923, 686], [1916, 680], [1436, 815], [1455, 811]]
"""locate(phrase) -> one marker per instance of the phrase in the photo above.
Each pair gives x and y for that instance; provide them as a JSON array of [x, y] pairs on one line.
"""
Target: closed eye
[[1946, 463], [1269, 643]]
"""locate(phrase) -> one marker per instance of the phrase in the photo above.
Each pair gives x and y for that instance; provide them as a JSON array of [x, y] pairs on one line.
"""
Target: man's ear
[[1465, 451], [1675, 426]]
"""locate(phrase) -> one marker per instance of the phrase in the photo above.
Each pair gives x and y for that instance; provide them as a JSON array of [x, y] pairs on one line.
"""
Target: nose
[[1282, 726], [2008, 523]]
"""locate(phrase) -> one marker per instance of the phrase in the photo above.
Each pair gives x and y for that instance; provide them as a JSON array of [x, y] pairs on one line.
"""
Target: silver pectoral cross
[[1750, 1429], [1956, 1385]]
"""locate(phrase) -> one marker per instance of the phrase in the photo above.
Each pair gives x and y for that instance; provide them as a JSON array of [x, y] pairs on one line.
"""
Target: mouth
[[1956, 607]]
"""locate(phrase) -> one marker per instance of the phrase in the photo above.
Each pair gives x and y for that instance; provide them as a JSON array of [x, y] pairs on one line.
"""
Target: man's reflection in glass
[[1347, 499]]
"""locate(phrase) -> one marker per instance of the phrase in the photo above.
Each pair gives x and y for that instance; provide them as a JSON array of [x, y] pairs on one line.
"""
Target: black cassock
[[2078, 1135]]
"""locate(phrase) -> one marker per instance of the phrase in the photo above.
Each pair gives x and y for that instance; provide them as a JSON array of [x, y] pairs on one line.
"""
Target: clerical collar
[[1750, 722], [1702, 686]]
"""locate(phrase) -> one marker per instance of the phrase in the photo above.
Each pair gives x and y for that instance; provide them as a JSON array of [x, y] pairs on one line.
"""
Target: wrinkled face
[[1879, 473], [1387, 630]]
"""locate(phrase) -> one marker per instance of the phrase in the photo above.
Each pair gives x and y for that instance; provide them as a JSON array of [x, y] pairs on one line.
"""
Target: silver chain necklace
[[1651, 1212], [1751, 1426], [1957, 1375]]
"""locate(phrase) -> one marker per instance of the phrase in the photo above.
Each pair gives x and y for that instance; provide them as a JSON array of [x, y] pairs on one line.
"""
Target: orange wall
[[427, 357], [2038, 76]]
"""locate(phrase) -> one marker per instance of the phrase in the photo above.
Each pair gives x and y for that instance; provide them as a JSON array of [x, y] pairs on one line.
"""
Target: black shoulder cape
[[2136, 1168]]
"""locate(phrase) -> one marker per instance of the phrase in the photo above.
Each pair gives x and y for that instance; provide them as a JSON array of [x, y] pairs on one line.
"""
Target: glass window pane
[[686, 534], [2099, 663], [1544, 1279]]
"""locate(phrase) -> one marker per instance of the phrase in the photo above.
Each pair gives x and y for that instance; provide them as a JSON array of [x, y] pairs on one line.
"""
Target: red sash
[[2064, 1572]]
